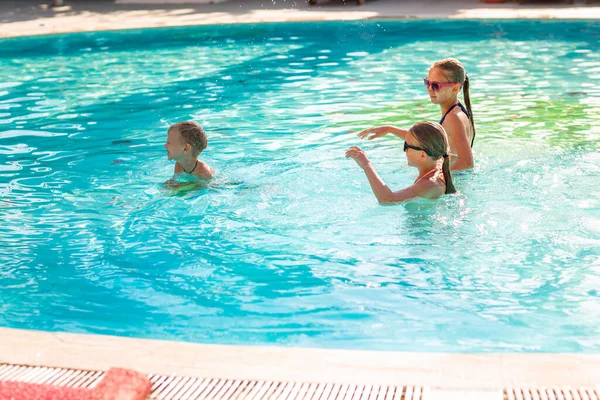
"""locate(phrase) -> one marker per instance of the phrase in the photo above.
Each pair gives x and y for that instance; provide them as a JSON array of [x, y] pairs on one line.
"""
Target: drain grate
[[553, 394], [254, 390], [52, 376], [186, 388]]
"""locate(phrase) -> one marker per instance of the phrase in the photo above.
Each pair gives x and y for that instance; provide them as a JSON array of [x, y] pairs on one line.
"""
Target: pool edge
[[439, 371]]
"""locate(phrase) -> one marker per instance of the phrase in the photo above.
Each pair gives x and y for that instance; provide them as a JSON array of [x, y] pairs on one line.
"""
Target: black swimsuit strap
[[452, 108]]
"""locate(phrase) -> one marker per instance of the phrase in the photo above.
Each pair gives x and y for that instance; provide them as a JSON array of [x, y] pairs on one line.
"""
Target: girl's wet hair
[[432, 137], [455, 72]]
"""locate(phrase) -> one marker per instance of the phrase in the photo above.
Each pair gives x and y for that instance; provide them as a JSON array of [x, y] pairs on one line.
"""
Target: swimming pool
[[288, 246]]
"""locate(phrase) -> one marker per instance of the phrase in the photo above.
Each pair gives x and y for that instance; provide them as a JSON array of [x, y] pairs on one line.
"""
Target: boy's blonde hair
[[192, 134]]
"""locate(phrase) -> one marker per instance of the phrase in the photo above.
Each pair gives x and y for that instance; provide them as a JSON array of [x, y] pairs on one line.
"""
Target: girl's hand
[[374, 133], [358, 155]]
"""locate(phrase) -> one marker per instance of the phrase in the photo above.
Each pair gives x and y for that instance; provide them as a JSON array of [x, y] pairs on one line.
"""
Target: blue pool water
[[288, 245]]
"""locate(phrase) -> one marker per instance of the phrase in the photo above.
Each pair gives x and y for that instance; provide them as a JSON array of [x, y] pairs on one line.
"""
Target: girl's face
[[444, 93], [175, 145], [413, 157]]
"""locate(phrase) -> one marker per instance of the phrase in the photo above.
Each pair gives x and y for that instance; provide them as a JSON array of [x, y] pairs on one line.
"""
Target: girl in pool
[[426, 148], [444, 82]]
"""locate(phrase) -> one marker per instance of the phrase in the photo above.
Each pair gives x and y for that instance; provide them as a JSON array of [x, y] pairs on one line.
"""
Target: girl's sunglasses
[[408, 146], [436, 86]]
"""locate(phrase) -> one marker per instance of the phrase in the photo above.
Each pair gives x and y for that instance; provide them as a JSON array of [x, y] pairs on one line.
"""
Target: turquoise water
[[288, 245]]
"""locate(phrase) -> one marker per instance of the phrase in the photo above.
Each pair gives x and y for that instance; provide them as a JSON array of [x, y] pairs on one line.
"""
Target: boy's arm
[[171, 182]]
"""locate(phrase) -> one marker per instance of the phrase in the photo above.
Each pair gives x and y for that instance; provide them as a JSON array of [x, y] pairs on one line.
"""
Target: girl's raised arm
[[379, 131]]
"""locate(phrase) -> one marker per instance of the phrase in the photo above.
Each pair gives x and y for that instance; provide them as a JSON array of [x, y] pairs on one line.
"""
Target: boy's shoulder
[[204, 171]]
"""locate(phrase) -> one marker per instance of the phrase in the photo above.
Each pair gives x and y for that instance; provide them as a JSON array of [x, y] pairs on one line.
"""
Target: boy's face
[[175, 145]]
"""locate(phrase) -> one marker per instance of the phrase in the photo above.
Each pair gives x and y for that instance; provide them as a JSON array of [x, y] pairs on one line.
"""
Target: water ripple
[[288, 245]]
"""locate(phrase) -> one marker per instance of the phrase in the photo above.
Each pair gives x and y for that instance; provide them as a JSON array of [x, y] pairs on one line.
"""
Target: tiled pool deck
[[437, 376]]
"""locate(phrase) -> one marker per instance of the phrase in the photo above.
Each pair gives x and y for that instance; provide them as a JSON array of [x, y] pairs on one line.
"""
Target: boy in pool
[[185, 141]]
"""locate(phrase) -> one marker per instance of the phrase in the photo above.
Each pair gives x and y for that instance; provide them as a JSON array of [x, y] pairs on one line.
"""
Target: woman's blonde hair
[[432, 138], [455, 72]]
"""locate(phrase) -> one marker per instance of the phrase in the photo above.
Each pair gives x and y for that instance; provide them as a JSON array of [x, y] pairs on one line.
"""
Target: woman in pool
[[426, 148], [445, 80]]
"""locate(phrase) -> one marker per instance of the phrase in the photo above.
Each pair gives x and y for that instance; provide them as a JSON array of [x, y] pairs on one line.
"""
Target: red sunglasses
[[436, 86]]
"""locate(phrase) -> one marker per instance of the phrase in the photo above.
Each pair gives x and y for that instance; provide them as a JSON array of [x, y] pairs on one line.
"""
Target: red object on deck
[[35, 391], [117, 384], [123, 384]]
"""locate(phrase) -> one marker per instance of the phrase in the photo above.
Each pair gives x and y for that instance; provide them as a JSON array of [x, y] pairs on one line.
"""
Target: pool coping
[[33, 20], [486, 374]]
